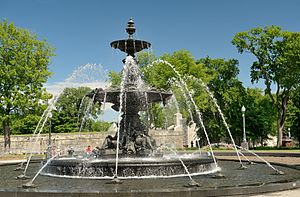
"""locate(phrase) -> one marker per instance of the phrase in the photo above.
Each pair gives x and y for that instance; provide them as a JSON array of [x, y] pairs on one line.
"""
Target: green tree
[[229, 93], [71, 107], [145, 58], [98, 125], [24, 64], [115, 79], [161, 76], [293, 114], [260, 116], [278, 63]]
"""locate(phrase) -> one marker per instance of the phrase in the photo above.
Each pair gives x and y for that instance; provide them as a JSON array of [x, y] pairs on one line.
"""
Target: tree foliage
[[74, 111], [24, 64], [260, 116], [228, 92], [293, 114], [278, 63], [221, 77], [115, 79]]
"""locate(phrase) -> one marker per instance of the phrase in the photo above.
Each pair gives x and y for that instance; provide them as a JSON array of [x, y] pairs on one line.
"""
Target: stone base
[[245, 145]]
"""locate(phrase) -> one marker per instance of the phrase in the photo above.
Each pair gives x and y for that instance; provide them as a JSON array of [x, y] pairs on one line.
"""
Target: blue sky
[[81, 30]]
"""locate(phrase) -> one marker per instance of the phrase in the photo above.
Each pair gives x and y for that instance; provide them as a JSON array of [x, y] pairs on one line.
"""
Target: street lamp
[[244, 130], [244, 143], [49, 142]]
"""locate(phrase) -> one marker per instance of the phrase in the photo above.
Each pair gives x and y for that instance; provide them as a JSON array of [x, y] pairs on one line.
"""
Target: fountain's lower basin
[[131, 167], [255, 179]]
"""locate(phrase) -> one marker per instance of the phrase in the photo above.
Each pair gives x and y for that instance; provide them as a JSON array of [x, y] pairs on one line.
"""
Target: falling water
[[177, 83], [37, 127], [220, 112], [244, 156], [104, 101], [190, 111], [102, 108], [85, 73], [87, 110], [192, 100], [40, 170], [90, 74], [37, 138], [262, 159], [174, 100], [179, 158], [38, 135], [148, 111], [79, 110], [128, 61]]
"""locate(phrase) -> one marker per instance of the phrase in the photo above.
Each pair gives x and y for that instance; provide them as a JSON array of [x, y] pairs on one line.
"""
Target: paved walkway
[[288, 193], [283, 160]]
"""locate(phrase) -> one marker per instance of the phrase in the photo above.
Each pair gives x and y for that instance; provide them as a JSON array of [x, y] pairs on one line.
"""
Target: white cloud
[[57, 87]]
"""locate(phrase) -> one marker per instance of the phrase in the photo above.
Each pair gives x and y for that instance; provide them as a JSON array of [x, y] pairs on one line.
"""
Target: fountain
[[132, 152], [132, 155]]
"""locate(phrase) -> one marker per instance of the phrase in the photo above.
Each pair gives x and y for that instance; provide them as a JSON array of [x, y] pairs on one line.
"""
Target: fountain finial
[[130, 28], [130, 45]]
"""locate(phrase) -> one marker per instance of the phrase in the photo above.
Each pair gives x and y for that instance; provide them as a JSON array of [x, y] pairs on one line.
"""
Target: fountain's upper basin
[[134, 167], [130, 46]]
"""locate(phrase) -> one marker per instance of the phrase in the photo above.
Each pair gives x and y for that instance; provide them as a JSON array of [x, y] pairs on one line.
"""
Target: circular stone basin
[[131, 167], [255, 179]]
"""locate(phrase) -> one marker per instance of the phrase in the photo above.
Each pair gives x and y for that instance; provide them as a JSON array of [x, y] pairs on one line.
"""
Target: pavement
[[282, 160], [287, 193], [295, 161]]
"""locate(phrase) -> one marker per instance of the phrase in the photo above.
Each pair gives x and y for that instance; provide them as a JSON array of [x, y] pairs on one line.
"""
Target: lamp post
[[244, 143], [49, 139]]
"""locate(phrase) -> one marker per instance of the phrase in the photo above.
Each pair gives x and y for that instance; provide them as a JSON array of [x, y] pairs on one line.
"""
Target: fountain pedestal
[[244, 145]]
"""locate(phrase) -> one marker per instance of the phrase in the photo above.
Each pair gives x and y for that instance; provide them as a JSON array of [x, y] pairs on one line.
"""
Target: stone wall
[[168, 137], [21, 144]]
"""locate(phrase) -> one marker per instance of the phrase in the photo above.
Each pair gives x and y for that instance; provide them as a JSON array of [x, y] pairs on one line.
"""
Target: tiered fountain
[[131, 152]]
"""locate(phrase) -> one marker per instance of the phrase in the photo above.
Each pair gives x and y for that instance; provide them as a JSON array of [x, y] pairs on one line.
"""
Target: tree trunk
[[280, 128], [6, 129], [281, 120]]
